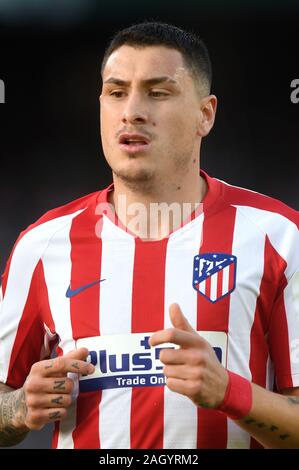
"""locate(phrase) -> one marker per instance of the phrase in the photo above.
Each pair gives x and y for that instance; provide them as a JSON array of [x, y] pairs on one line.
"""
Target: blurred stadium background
[[50, 53]]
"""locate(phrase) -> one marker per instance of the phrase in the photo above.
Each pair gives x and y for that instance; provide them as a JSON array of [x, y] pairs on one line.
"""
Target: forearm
[[273, 419], [12, 416]]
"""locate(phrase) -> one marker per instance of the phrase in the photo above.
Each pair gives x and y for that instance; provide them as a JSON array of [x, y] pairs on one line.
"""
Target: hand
[[193, 369], [47, 390]]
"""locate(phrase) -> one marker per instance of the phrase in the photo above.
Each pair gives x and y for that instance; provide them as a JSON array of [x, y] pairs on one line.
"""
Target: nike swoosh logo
[[72, 292]]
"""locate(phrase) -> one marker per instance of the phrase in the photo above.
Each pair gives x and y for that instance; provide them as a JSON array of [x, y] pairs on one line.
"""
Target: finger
[[36, 419], [49, 400], [181, 372], [185, 339], [80, 353], [57, 363], [59, 401], [174, 356], [184, 387], [178, 319], [63, 385], [61, 366]]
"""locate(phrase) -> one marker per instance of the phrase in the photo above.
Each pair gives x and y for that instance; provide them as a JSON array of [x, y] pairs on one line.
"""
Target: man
[[211, 302]]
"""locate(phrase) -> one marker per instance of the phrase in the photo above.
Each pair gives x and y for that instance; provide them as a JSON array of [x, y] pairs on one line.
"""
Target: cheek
[[179, 129], [108, 127], [180, 137], [109, 114]]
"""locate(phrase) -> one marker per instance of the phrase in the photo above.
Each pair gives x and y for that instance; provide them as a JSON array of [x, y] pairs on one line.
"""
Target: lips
[[128, 139], [133, 143]]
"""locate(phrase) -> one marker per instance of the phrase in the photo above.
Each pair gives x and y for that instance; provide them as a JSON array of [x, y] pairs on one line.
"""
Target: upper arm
[[21, 324], [21, 327]]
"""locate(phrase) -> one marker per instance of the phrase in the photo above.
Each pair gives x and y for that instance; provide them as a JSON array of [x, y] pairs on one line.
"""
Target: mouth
[[133, 143]]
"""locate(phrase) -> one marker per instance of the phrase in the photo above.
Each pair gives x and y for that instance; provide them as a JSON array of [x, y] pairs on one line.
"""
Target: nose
[[134, 111]]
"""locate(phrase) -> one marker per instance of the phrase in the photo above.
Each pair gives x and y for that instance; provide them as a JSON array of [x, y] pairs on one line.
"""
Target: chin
[[135, 177], [134, 173]]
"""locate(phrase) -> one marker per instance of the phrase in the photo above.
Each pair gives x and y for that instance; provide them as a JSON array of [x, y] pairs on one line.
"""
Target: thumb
[[80, 354], [178, 320]]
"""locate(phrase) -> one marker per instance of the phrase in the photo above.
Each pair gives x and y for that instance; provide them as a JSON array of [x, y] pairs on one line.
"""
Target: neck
[[151, 213]]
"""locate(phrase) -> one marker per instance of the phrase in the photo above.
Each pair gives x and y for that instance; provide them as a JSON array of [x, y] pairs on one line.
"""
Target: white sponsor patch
[[129, 361]]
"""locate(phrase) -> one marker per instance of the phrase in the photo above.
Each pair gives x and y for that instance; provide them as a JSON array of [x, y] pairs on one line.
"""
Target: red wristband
[[237, 401]]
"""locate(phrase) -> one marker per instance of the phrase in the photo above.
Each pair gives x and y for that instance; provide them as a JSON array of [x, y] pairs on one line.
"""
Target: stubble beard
[[140, 180], [148, 180]]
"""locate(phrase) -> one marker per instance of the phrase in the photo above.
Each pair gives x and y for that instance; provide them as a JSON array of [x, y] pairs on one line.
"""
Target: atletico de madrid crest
[[214, 275]]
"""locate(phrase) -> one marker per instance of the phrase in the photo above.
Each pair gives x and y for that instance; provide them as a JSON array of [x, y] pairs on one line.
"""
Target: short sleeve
[[284, 335], [22, 333]]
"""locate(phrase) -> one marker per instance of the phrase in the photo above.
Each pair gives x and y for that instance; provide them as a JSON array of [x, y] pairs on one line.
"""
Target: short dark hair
[[191, 46]]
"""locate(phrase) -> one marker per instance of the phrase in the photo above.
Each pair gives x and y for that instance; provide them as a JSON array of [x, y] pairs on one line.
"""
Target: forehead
[[128, 61]]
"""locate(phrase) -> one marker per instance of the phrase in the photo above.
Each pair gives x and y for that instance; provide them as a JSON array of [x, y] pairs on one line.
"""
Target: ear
[[208, 106]]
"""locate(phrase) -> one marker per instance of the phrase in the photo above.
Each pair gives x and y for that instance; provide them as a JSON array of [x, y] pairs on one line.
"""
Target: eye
[[117, 93], [158, 93]]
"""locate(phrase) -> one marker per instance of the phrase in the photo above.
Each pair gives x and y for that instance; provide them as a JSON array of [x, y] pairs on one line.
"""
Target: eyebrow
[[149, 81]]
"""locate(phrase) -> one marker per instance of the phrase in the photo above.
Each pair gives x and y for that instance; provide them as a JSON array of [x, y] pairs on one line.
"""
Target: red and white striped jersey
[[233, 269]]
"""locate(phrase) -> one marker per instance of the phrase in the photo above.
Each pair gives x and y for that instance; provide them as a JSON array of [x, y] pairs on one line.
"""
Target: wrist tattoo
[[260, 425], [13, 411], [293, 400], [249, 421], [284, 436], [272, 428]]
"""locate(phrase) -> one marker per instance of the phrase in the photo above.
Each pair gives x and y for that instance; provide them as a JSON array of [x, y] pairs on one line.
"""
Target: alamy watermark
[[295, 93], [151, 221], [2, 91]]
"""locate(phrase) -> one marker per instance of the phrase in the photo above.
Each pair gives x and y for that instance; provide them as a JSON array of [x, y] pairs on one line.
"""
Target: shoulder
[[261, 208], [66, 211], [267, 219], [33, 241], [57, 217]]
